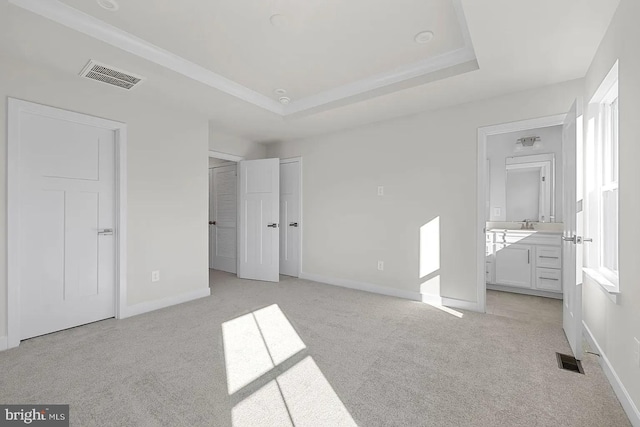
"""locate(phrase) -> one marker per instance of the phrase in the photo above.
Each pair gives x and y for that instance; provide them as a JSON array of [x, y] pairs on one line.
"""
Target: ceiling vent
[[103, 73]]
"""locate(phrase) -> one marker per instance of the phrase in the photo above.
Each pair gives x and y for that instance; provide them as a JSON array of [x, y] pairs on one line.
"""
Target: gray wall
[[167, 173], [428, 166], [614, 326]]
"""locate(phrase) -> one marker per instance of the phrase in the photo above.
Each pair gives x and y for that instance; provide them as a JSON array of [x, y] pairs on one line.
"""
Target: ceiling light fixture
[[280, 92], [284, 100], [109, 5], [423, 37], [278, 20]]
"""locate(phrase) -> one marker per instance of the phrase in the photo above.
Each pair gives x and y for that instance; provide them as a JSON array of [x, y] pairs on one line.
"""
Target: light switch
[[381, 191], [497, 211]]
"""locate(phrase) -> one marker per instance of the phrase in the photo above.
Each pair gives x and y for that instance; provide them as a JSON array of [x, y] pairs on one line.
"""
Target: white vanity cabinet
[[513, 265], [524, 261]]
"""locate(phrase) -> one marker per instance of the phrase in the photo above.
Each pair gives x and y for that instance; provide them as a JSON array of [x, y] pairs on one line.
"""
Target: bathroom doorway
[[520, 219]]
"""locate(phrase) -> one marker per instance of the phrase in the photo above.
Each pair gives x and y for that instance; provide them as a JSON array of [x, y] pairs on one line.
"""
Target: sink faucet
[[527, 225]]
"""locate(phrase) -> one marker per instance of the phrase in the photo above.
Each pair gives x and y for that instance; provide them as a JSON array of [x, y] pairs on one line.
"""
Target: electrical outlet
[[636, 352], [381, 191], [380, 265], [155, 276]]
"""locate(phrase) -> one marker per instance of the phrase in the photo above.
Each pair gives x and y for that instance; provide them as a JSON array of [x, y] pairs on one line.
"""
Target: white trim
[[362, 286], [301, 220], [3, 344], [383, 80], [606, 86], [610, 289], [121, 218], [524, 291], [72, 18], [145, 307], [14, 108], [449, 302], [66, 15], [225, 156], [621, 392], [483, 135], [392, 292]]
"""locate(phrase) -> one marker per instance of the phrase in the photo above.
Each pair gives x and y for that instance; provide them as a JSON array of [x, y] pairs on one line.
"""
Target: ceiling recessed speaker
[[423, 37], [110, 5], [278, 21]]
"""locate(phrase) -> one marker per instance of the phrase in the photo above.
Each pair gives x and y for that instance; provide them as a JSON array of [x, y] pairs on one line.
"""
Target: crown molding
[[458, 61], [72, 18]]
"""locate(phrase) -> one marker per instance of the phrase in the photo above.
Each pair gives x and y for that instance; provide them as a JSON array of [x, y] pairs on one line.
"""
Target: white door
[[290, 218], [572, 213], [67, 221], [223, 215], [259, 240]]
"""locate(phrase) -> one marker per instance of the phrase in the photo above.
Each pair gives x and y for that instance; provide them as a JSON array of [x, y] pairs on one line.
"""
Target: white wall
[[229, 144], [167, 172], [499, 147], [427, 164], [614, 326]]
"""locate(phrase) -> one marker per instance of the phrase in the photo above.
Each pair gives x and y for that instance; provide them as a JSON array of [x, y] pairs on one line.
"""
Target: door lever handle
[[293, 224], [105, 231], [212, 223], [569, 239], [273, 225]]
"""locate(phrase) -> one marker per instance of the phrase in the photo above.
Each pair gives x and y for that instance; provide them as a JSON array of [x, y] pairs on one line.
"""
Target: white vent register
[[106, 74]]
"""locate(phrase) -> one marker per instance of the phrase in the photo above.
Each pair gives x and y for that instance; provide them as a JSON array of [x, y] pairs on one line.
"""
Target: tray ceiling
[[323, 53]]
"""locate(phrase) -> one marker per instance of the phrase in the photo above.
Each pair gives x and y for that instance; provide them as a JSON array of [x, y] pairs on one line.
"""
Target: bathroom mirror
[[530, 188]]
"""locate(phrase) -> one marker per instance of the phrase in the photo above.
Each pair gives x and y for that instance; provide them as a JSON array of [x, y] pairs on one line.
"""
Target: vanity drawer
[[548, 257], [549, 279]]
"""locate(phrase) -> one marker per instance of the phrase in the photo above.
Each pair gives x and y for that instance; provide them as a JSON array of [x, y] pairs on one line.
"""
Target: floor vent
[[569, 363], [109, 75]]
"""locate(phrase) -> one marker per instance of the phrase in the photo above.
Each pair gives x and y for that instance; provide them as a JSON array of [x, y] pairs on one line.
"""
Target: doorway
[[255, 217], [520, 219], [66, 218], [223, 213]]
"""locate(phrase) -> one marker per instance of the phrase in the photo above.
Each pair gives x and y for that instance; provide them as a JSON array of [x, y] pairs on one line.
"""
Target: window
[[602, 181]]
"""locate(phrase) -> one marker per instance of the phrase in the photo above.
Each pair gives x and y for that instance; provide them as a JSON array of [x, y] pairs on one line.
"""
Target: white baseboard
[[450, 302], [623, 396], [362, 286], [524, 291], [4, 344], [383, 290], [145, 307]]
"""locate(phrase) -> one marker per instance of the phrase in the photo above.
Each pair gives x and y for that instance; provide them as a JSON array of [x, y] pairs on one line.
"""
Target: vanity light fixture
[[528, 142], [110, 5]]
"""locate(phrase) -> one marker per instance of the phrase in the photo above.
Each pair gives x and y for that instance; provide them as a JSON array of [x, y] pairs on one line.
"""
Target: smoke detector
[[95, 70]]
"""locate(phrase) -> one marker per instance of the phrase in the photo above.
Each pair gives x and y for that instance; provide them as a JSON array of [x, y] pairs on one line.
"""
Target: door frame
[[483, 135], [230, 158], [301, 220], [15, 107]]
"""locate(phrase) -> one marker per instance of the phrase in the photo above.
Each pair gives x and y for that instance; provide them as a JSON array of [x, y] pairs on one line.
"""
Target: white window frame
[[602, 171]]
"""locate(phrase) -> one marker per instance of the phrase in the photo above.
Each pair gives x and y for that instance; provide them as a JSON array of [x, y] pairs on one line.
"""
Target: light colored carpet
[[391, 362]]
